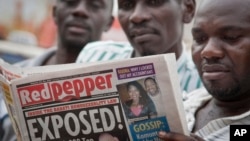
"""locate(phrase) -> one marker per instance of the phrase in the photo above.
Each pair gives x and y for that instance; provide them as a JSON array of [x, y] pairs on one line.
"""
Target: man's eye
[[70, 2], [231, 39], [200, 39], [126, 5], [96, 4], [155, 2]]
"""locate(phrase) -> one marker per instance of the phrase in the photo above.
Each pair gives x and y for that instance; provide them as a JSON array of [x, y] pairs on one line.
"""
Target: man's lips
[[214, 72], [139, 32], [135, 32], [77, 28]]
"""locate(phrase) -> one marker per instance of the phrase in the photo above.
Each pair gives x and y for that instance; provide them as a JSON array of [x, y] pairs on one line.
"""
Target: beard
[[74, 46], [224, 94], [237, 90]]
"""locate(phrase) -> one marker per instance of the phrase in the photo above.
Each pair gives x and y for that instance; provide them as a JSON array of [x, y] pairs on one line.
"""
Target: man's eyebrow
[[101, 1]]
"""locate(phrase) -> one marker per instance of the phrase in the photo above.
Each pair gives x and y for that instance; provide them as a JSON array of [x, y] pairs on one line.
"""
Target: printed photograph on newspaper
[[141, 100], [73, 108]]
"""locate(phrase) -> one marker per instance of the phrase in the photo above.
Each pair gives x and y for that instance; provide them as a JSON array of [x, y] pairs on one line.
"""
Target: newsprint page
[[124, 100]]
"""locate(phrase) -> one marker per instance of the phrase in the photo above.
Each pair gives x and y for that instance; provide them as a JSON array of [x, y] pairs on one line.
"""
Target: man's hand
[[178, 137]]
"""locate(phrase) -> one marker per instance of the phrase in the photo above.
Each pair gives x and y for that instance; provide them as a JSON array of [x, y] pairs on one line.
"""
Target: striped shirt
[[188, 75], [215, 130], [110, 50], [104, 51]]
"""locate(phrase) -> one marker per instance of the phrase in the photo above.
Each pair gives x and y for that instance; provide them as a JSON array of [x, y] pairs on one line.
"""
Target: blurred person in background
[[78, 22]]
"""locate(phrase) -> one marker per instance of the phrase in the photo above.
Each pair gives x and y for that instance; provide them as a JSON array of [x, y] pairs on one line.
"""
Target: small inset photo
[[136, 102]]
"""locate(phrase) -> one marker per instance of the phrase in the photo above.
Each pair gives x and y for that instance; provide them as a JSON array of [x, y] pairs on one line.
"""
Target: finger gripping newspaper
[[125, 100]]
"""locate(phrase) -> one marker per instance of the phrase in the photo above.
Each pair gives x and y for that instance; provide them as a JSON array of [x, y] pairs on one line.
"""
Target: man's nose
[[139, 15], [213, 49], [81, 9]]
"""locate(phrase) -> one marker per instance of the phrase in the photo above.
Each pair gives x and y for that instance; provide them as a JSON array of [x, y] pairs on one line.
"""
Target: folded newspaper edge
[[91, 102]]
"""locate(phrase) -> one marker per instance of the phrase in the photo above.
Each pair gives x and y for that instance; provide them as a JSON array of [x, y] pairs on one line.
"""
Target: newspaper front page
[[103, 102]]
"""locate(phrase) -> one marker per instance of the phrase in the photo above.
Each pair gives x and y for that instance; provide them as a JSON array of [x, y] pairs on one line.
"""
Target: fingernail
[[161, 133]]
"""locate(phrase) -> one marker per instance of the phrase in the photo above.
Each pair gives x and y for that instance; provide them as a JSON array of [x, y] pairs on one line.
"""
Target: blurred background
[[27, 29]]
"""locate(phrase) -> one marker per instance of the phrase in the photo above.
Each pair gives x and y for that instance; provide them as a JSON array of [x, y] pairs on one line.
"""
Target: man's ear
[[110, 23], [189, 7]]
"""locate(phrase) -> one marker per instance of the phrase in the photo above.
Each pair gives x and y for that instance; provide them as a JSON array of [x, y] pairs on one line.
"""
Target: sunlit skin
[[155, 26], [79, 22]]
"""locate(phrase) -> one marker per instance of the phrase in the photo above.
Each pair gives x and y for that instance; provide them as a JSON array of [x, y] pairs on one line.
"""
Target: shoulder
[[196, 99], [188, 62], [37, 61], [197, 95], [108, 44], [188, 74], [104, 51], [192, 102]]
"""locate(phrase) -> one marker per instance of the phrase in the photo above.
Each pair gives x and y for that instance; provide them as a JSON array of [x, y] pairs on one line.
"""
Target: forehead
[[132, 86], [149, 81], [224, 5], [224, 11], [151, 1], [108, 3]]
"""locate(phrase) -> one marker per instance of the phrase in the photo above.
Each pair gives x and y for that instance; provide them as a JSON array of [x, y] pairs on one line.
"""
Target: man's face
[[151, 87], [221, 47], [152, 26], [82, 21]]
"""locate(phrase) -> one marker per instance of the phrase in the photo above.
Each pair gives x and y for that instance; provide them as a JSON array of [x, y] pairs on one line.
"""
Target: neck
[[61, 57], [135, 103], [64, 55], [232, 108], [178, 50], [215, 109]]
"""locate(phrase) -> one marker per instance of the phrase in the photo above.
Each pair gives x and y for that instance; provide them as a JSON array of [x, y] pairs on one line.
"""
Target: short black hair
[[149, 78]]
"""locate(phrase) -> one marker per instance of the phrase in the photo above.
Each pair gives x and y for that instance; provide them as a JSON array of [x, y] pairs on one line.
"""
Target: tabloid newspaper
[[97, 102]]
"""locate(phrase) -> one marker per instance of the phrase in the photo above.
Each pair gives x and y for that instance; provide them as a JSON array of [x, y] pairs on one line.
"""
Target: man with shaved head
[[221, 52]]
